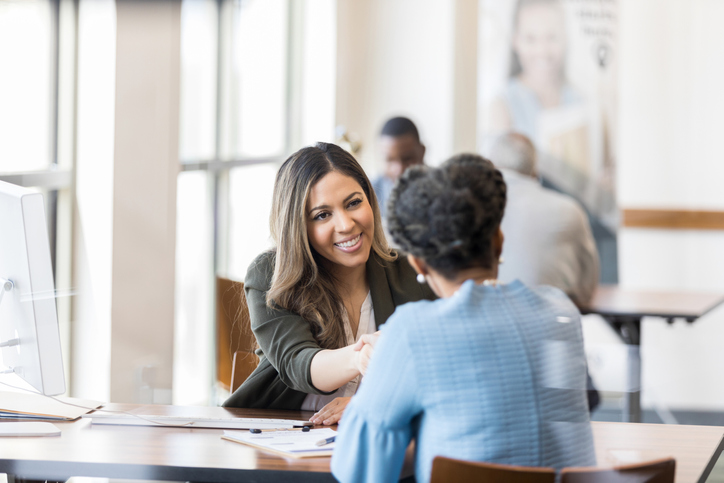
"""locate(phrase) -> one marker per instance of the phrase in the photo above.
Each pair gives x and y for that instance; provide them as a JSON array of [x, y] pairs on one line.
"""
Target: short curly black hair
[[448, 216]]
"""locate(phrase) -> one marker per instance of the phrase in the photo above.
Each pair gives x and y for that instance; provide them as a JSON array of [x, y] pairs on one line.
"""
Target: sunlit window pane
[[199, 34], [250, 197], [26, 83], [194, 312], [257, 93], [319, 72]]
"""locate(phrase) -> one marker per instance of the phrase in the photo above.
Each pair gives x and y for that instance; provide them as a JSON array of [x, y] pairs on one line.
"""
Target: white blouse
[[315, 402]]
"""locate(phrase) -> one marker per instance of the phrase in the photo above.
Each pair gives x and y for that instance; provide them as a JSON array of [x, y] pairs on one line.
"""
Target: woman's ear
[[418, 264], [498, 240]]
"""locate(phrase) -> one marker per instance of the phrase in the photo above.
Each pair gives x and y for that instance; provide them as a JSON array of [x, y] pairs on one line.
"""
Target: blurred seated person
[[549, 237], [488, 372], [401, 148]]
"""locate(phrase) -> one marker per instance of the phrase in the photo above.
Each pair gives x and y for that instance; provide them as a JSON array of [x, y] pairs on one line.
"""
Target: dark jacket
[[283, 378]]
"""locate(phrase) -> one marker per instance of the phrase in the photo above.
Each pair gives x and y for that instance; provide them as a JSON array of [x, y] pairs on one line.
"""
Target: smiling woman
[[330, 280]]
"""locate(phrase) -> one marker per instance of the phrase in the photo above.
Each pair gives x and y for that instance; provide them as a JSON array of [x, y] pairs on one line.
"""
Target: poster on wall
[[548, 70]]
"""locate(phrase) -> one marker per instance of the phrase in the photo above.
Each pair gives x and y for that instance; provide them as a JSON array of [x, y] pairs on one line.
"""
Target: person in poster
[[537, 79], [551, 42]]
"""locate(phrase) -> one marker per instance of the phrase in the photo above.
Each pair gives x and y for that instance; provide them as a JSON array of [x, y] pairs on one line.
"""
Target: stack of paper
[[27, 406], [293, 443]]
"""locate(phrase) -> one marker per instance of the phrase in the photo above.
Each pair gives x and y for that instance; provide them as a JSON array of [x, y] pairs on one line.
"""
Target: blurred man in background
[[401, 148], [550, 239]]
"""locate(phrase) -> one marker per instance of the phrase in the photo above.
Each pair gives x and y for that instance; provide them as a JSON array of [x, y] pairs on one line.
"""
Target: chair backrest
[[243, 365], [657, 471], [233, 334], [448, 469]]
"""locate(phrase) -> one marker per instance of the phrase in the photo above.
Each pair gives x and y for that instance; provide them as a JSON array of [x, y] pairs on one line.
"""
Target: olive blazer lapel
[[382, 302], [393, 284]]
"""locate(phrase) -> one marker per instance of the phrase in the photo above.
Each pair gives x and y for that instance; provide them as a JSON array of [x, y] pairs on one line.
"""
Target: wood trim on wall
[[673, 219]]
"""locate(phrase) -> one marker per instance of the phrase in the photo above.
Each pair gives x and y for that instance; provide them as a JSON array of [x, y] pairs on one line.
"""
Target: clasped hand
[[332, 412], [364, 348]]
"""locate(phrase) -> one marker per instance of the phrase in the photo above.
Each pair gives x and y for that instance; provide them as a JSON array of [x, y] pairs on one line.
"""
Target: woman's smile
[[351, 244]]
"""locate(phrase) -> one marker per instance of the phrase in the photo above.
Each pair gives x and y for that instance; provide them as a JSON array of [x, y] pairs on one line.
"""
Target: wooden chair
[[244, 363], [235, 342], [447, 469], [657, 471]]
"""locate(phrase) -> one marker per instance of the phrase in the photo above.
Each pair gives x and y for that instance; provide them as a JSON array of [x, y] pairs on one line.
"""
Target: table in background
[[623, 309], [200, 455]]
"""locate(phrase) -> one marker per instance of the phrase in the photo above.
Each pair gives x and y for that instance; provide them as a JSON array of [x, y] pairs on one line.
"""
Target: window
[[257, 83], [247, 101], [27, 97], [37, 54]]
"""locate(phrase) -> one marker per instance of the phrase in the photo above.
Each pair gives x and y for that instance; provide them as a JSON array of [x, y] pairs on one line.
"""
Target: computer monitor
[[29, 334]]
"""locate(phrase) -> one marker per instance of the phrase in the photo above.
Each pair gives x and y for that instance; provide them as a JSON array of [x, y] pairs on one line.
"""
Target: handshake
[[364, 348], [362, 352]]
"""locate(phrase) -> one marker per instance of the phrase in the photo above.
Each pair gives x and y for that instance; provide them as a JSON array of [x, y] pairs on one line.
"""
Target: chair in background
[[235, 342], [243, 364], [657, 471], [448, 469]]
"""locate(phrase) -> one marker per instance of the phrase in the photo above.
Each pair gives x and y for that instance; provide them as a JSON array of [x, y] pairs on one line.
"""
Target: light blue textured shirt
[[493, 373]]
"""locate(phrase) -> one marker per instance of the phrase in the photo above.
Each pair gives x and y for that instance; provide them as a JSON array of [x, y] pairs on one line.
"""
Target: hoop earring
[[421, 279]]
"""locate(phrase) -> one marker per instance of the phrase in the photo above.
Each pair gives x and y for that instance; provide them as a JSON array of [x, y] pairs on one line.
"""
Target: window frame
[[57, 181]]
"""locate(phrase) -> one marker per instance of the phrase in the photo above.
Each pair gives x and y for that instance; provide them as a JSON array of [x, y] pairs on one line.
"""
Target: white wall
[[671, 156], [399, 58]]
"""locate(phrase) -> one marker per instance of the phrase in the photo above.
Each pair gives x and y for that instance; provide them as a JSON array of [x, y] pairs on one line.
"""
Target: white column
[[127, 167], [671, 158], [465, 95], [148, 45]]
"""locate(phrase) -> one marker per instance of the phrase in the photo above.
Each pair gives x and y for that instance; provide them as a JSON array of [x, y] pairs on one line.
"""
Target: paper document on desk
[[17, 405], [293, 443]]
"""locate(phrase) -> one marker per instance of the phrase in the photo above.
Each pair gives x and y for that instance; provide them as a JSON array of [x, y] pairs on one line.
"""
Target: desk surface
[[612, 300], [153, 453], [625, 443]]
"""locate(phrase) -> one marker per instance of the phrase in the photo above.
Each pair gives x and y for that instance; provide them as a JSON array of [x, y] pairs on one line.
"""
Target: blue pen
[[322, 442]]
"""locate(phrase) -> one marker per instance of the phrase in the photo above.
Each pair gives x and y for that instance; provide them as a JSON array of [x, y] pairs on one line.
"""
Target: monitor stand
[[32, 428], [20, 429]]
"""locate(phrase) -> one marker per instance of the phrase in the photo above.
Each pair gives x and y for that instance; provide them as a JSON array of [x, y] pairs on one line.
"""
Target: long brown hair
[[300, 283]]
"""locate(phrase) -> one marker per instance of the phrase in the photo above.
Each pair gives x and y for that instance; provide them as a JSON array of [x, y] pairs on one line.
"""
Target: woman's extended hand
[[364, 347], [363, 357], [366, 339], [332, 368], [332, 412]]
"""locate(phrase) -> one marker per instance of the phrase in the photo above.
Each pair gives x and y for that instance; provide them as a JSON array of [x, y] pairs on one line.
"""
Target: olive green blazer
[[286, 346]]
